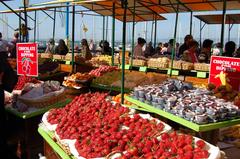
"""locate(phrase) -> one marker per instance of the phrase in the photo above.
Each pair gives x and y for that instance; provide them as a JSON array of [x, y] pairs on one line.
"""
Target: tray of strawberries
[[93, 127]]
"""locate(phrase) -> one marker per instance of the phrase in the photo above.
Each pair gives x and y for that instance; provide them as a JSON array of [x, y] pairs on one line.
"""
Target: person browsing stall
[[62, 48], [85, 50], [190, 55], [138, 50]]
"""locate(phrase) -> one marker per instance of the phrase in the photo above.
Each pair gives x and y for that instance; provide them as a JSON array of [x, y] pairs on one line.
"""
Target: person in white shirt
[[5, 46]]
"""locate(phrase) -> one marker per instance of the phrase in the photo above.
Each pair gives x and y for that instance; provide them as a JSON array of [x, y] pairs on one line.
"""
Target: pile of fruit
[[76, 80], [93, 127], [101, 60], [118, 98], [132, 79], [22, 80], [48, 67], [102, 70], [181, 99], [226, 92]]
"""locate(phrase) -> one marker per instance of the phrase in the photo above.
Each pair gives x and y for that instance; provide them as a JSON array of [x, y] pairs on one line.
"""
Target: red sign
[[225, 68], [27, 59]]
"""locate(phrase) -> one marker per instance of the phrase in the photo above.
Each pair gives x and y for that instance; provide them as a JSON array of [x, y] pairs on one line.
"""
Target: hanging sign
[[225, 71], [27, 59]]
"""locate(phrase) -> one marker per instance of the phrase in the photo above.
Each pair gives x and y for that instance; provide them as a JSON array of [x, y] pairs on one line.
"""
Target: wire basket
[[44, 101], [201, 67], [187, 66]]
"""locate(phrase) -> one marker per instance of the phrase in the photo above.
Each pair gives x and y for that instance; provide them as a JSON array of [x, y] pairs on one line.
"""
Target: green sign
[[68, 62], [202, 74], [174, 72], [143, 69]]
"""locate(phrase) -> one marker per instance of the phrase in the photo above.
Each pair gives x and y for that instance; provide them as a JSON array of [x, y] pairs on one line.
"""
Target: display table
[[182, 121], [25, 125], [48, 137]]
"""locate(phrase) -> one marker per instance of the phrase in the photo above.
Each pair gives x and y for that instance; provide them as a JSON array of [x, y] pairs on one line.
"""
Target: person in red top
[[190, 55]]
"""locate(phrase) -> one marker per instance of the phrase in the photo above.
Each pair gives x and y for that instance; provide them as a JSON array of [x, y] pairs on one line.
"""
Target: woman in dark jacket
[[62, 48]]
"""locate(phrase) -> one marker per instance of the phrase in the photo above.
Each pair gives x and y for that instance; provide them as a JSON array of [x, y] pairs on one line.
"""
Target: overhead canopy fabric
[[217, 18], [106, 8], [170, 6], [102, 7]]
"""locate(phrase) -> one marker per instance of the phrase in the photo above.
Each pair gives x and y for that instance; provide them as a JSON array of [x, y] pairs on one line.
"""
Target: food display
[[139, 62], [22, 80], [187, 66], [101, 60], [158, 62], [36, 95], [68, 56], [46, 55], [231, 135], [48, 67], [181, 99], [108, 78], [93, 127], [76, 80], [135, 78], [102, 70], [201, 66], [132, 79]]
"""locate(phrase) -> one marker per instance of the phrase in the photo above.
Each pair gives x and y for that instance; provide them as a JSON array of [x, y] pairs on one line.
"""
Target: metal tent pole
[[133, 31], [223, 24], [103, 38], [229, 31], [20, 30], [67, 22], [107, 29], [155, 33], [191, 21], [174, 40], [73, 35], [54, 23], [26, 22], [113, 32], [200, 33], [124, 5], [152, 31], [35, 25]]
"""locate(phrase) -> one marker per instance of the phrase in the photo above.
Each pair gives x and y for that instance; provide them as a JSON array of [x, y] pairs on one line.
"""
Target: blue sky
[[94, 24]]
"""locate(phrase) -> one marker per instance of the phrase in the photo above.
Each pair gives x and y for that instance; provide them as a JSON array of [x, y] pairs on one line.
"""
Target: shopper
[[50, 47], [85, 50], [158, 49], [92, 46], [185, 45], [106, 49], [164, 49], [149, 51], [62, 48], [230, 48], [138, 50], [170, 46], [217, 49], [14, 42], [24, 32], [5, 46], [190, 55], [205, 53]]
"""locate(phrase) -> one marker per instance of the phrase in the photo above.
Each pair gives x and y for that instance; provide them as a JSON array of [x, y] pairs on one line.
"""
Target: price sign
[[224, 71], [27, 59]]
